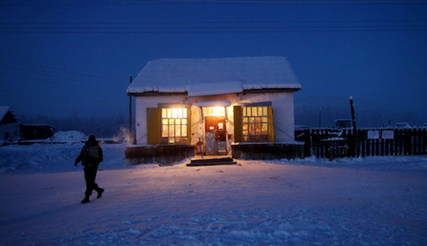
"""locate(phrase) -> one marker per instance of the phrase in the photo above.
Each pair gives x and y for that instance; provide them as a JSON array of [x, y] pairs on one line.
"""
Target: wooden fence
[[331, 143]]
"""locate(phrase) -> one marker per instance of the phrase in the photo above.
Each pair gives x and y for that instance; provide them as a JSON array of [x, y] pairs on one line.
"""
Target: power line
[[266, 30], [217, 26], [220, 2], [54, 98], [51, 71], [49, 66], [56, 78], [63, 82], [178, 22], [242, 2]]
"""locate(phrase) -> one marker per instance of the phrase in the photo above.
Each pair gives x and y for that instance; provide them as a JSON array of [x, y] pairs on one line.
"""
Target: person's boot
[[100, 191], [85, 200]]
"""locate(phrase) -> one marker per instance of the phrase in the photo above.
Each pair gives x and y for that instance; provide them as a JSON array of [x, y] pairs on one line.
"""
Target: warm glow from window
[[255, 124], [174, 125], [214, 111], [174, 113]]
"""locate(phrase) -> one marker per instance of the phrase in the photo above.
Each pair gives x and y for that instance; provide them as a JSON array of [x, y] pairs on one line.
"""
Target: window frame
[[255, 123], [174, 124]]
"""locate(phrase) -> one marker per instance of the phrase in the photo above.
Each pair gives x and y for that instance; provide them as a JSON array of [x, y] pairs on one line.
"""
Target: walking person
[[90, 156]]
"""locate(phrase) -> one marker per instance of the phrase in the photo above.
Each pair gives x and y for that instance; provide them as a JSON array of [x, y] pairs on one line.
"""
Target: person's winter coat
[[90, 155]]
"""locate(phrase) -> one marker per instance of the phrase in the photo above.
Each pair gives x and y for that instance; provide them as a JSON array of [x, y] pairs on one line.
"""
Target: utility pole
[[131, 139], [355, 142], [353, 115]]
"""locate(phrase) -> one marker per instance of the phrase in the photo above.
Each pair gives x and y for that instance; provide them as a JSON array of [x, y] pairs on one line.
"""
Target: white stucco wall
[[282, 104], [141, 105], [283, 112]]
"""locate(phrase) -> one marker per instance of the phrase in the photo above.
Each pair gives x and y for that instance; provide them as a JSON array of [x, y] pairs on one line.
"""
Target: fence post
[[315, 143], [416, 141], [308, 143], [392, 145], [407, 142], [400, 142], [424, 138], [321, 145], [369, 146], [362, 140]]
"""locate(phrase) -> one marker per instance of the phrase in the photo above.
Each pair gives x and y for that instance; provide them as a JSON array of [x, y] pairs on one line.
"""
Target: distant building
[[36, 131], [9, 126], [233, 106]]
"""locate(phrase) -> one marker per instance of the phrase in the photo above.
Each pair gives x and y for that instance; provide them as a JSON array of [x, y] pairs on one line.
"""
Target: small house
[[9, 126], [241, 106], [36, 131]]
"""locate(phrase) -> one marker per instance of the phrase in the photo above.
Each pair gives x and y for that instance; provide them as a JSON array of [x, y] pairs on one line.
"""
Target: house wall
[[141, 105], [282, 104], [283, 112], [9, 132]]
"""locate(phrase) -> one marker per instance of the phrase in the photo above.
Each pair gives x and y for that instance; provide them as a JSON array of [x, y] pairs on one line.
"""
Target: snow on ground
[[371, 201]]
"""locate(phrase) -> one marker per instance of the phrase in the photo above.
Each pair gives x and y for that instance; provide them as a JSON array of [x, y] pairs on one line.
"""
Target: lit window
[[214, 111], [174, 125], [255, 124]]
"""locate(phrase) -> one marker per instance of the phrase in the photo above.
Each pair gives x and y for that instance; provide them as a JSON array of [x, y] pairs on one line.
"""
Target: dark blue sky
[[74, 56]]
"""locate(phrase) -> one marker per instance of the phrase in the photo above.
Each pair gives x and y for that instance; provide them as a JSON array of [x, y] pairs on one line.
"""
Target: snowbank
[[48, 158], [68, 137]]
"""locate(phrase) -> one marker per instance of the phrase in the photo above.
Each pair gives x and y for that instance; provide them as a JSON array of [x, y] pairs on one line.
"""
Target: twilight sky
[[62, 57]]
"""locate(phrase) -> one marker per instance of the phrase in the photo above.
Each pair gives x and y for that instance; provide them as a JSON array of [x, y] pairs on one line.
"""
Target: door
[[215, 131]]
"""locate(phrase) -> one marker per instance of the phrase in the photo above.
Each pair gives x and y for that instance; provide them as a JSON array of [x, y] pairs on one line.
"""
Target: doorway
[[216, 135]]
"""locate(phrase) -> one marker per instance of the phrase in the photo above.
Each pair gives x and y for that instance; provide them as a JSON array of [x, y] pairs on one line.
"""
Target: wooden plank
[[387, 147], [370, 146], [419, 142], [400, 138], [153, 125], [270, 121], [238, 118], [363, 143], [382, 147]]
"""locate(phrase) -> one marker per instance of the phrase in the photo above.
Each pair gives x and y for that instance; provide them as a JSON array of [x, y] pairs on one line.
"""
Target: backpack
[[93, 156], [93, 152]]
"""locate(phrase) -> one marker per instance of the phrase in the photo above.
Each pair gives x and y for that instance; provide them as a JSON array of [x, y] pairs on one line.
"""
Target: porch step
[[211, 162]]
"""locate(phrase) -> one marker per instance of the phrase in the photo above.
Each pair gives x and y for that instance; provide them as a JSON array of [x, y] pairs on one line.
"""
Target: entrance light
[[214, 111]]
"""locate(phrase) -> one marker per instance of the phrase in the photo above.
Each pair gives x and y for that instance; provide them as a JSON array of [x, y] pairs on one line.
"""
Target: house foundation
[[267, 151], [163, 154]]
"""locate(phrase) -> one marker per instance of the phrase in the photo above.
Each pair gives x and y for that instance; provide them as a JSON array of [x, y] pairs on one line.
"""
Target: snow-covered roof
[[217, 89], [3, 111], [215, 76]]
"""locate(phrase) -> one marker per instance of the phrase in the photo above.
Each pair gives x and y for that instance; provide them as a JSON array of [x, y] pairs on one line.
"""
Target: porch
[[211, 160]]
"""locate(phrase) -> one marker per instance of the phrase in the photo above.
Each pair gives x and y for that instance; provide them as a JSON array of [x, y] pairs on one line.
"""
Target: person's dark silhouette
[[90, 156]]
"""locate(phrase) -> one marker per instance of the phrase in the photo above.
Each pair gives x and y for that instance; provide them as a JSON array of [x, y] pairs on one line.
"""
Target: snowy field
[[371, 201]]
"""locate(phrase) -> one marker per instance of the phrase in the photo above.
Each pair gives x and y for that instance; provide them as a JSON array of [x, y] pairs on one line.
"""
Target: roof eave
[[157, 93], [271, 90], [185, 93]]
